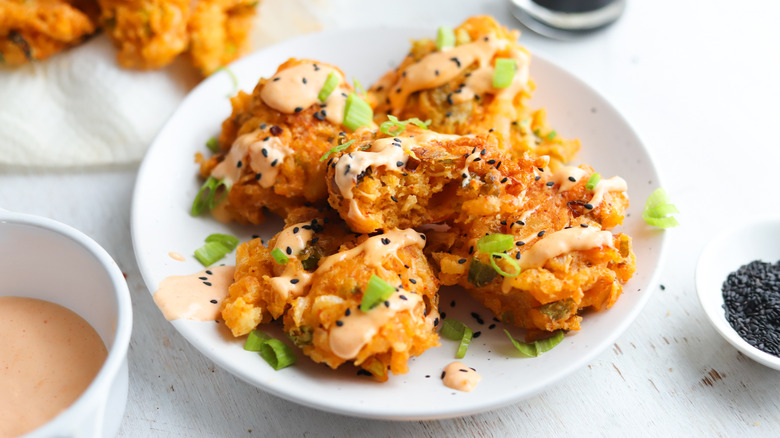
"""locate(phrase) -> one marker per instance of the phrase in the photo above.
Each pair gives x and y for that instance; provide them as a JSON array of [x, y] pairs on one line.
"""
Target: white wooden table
[[698, 80]]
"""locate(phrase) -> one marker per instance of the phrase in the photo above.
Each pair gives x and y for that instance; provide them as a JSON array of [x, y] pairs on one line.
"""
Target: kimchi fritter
[[273, 142], [454, 88], [33, 30], [219, 32], [420, 177]]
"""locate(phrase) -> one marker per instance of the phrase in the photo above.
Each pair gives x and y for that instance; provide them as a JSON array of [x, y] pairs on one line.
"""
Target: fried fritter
[[219, 31], [453, 88], [420, 177], [272, 143], [33, 30], [148, 33]]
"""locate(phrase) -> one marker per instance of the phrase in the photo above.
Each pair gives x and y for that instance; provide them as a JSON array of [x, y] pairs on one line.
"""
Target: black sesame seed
[[274, 162], [443, 315], [294, 281], [203, 278], [304, 81], [498, 165], [263, 126], [364, 373], [483, 152], [503, 222], [399, 163], [477, 317], [316, 67], [589, 206], [584, 225], [519, 243], [520, 223], [289, 251], [436, 322], [449, 99], [471, 249], [403, 297], [387, 303], [550, 183], [413, 281], [298, 109], [662, 287], [572, 179], [422, 236], [463, 371], [461, 261], [491, 326], [207, 283], [275, 79], [209, 272], [239, 164], [491, 162], [213, 301], [393, 198], [320, 115], [537, 178], [347, 312], [540, 233], [346, 169], [443, 373], [265, 152], [385, 241], [339, 323], [540, 169], [475, 335], [517, 256], [477, 159], [452, 303], [258, 176], [456, 61], [266, 138], [504, 180]]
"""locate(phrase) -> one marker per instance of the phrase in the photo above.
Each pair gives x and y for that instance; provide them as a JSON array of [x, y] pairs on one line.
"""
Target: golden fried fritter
[[453, 88], [420, 177], [272, 143], [33, 30], [148, 33], [219, 31]]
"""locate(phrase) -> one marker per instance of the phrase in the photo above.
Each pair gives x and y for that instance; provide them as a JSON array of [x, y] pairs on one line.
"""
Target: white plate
[[757, 240], [167, 184]]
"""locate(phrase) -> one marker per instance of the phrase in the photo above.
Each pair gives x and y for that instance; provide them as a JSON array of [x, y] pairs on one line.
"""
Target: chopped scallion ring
[[206, 197], [233, 79], [358, 86], [457, 331], [551, 135], [507, 259], [394, 127], [327, 88], [279, 256], [536, 348], [335, 149], [278, 354], [210, 252], [593, 181], [504, 72], [213, 144], [357, 112], [255, 339], [376, 292], [445, 38], [226, 239], [495, 243], [658, 210]]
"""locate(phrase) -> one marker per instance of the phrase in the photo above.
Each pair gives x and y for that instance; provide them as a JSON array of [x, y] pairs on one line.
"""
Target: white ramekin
[[42, 258]]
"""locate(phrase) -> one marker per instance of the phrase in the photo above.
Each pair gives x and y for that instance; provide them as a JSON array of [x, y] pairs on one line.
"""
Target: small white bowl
[[44, 259], [759, 240]]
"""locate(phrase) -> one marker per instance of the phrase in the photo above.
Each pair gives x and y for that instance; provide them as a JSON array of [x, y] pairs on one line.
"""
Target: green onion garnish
[[211, 252], [536, 348], [593, 181], [445, 38], [551, 135], [358, 86], [658, 210], [357, 112], [327, 88], [278, 354], [480, 273], [508, 259], [495, 243], [233, 79], [226, 239], [504, 72], [255, 339], [377, 291], [206, 197], [335, 149], [279, 256], [457, 331], [213, 144], [394, 127]]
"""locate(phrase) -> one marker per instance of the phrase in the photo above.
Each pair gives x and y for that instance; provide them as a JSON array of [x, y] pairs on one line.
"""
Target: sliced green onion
[[335, 149], [495, 243], [377, 291], [392, 126], [279, 256], [504, 72], [327, 88], [480, 273], [508, 259], [593, 181], [213, 144], [278, 354], [255, 339], [233, 79], [357, 112], [211, 252], [538, 347], [445, 38], [658, 210], [551, 135], [206, 197], [457, 331], [419, 123], [358, 86], [226, 239]]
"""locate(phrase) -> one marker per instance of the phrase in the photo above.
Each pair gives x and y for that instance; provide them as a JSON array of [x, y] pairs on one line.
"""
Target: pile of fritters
[[149, 34], [411, 205]]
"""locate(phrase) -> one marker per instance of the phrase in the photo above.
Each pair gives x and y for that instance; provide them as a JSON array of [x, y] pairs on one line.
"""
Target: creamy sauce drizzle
[[359, 327], [292, 240], [292, 283], [297, 88], [265, 154], [385, 152], [197, 296], [48, 357], [460, 377], [176, 256], [563, 175], [614, 184]]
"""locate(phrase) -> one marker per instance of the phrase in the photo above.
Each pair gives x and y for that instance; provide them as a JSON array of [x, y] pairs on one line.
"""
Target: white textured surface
[[699, 82]]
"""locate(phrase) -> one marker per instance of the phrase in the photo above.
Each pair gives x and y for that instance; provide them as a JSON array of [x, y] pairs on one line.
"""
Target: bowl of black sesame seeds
[[738, 283]]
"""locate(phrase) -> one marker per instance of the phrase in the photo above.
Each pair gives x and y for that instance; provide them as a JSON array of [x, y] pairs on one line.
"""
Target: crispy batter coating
[[301, 174], [219, 31], [442, 176], [467, 103], [36, 29], [148, 33]]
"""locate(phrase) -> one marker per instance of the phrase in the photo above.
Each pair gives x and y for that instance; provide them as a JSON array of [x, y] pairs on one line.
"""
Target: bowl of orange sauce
[[65, 325]]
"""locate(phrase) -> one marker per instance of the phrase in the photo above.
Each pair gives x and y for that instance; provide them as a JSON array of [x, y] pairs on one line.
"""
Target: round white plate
[[756, 240], [167, 183]]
